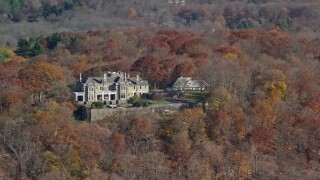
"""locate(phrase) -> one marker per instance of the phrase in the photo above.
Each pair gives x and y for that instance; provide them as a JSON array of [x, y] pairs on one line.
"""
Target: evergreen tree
[[53, 40], [29, 48]]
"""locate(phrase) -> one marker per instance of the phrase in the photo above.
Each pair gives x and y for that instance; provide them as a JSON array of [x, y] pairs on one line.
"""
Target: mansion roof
[[114, 77]]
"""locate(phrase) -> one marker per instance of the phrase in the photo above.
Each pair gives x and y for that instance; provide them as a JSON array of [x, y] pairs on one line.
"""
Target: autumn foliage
[[258, 119], [40, 76]]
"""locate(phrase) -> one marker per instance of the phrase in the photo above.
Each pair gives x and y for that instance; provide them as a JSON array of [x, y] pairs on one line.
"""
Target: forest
[[260, 57]]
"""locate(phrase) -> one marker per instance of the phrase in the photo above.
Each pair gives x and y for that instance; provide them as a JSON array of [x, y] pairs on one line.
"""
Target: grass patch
[[157, 102], [195, 97]]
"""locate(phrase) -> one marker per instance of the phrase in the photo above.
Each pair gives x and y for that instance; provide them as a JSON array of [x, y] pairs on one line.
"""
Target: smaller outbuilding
[[187, 83]]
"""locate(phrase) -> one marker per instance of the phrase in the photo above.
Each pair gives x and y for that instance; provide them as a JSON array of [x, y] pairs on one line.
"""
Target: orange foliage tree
[[40, 76], [265, 112], [195, 121]]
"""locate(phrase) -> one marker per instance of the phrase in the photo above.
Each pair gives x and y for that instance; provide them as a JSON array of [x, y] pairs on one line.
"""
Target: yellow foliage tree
[[244, 168], [75, 166], [5, 54], [230, 56], [54, 162], [276, 91], [221, 97]]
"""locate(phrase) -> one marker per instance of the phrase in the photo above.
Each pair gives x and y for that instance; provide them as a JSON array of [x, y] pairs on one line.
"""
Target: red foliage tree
[[247, 34], [185, 69], [228, 49], [263, 138], [150, 67]]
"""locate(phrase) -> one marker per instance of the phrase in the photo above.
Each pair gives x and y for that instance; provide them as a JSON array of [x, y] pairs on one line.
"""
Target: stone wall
[[99, 114]]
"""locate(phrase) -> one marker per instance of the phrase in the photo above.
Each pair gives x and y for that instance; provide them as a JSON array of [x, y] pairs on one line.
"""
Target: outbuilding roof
[[183, 82]]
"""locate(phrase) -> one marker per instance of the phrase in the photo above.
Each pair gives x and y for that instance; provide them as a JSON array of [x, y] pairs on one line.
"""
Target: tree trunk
[[18, 172], [38, 99]]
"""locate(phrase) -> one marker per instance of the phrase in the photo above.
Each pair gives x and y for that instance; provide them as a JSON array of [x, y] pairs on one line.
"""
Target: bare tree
[[17, 142]]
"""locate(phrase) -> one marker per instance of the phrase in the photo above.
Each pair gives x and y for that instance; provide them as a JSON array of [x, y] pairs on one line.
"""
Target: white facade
[[112, 88]]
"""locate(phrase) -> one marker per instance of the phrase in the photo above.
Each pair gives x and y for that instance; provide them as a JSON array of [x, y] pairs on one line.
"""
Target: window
[[134, 87], [112, 96], [90, 88], [140, 87], [100, 88], [122, 95], [80, 98], [122, 88]]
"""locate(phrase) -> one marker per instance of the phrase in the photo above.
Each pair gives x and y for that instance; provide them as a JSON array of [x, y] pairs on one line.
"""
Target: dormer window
[[112, 88]]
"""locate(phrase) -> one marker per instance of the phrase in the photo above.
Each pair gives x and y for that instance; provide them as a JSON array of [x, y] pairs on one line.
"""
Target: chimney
[[105, 77], [80, 78], [128, 75], [138, 78], [125, 77]]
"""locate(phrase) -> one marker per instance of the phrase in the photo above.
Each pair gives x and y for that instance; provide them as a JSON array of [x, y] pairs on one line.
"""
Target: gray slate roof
[[188, 82], [113, 78], [141, 82], [99, 80]]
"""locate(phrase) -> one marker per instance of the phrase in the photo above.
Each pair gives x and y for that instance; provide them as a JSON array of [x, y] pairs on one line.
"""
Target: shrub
[[81, 113], [97, 105], [136, 101]]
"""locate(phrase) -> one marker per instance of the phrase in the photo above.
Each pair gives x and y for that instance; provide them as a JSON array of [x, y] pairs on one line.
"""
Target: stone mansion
[[112, 88]]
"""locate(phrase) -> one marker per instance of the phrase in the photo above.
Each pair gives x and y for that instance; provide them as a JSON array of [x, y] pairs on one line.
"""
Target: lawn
[[195, 97], [157, 102]]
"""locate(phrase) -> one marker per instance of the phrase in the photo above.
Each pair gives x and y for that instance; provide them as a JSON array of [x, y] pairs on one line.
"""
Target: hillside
[[22, 18], [263, 113]]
